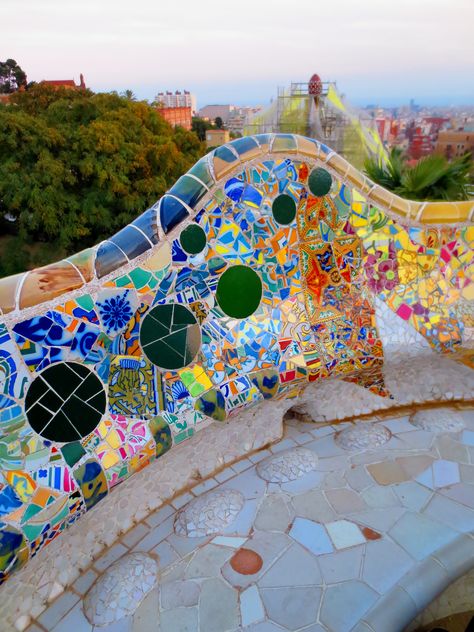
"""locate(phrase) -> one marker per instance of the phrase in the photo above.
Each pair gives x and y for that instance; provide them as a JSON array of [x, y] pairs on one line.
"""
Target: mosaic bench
[[271, 264]]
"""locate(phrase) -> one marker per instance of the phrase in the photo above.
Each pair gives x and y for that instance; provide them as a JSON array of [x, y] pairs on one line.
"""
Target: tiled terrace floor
[[362, 524]]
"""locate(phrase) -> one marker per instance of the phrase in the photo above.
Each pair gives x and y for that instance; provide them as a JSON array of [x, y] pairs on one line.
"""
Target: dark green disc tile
[[65, 402], [239, 291], [319, 182], [193, 239], [284, 209], [72, 452], [170, 336]]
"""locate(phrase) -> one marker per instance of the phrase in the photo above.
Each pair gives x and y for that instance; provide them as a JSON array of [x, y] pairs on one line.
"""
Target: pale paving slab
[[419, 535], [450, 513], [146, 615], [218, 607], [179, 594], [293, 607], [275, 513], [74, 620], [314, 506], [296, 567], [345, 501], [344, 604], [384, 564], [412, 495], [179, 620], [341, 566], [462, 493]]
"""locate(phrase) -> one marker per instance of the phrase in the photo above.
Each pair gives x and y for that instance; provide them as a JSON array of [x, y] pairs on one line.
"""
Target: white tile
[[344, 534]]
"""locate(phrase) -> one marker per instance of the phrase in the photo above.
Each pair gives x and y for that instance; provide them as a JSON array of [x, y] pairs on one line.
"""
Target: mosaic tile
[[285, 275], [209, 513], [344, 534], [251, 606], [119, 591], [65, 402], [287, 466], [438, 420], [311, 535], [363, 436], [292, 608]]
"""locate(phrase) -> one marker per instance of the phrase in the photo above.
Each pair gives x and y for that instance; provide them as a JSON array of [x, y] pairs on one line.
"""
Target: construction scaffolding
[[320, 113]]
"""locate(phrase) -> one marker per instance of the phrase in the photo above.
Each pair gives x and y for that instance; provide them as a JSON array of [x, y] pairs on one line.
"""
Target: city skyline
[[376, 54]]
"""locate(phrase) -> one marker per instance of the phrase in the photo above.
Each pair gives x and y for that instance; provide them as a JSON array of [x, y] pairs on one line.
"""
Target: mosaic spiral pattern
[[208, 514], [438, 420], [259, 272], [363, 436], [288, 465], [121, 589]]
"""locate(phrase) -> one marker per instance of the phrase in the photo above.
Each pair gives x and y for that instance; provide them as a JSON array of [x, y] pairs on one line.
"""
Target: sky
[[378, 51]]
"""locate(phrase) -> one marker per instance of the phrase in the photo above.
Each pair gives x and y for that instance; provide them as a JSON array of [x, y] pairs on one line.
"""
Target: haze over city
[[377, 51]]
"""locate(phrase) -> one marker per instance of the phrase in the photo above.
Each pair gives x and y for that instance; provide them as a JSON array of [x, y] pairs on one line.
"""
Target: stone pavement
[[334, 528]]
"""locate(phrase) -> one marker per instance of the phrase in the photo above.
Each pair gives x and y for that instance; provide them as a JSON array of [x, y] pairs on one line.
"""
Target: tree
[[129, 95], [200, 126], [12, 77], [75, 167], [431, 178], [218, 122]]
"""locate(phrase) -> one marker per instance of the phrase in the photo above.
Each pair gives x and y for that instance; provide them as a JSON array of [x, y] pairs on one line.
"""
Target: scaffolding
[[324, 116]]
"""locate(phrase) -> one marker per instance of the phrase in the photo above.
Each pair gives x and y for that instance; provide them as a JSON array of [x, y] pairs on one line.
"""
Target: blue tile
[[467, 437], [108, 258], [131, 241], [312, 535], [172, 212]]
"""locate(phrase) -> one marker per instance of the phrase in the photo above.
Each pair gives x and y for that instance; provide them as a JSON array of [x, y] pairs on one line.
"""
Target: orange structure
[[69, 84], [455, 143], [176, 116]]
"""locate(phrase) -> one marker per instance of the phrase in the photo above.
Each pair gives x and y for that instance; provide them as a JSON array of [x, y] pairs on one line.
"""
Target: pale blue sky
[[380, 51]]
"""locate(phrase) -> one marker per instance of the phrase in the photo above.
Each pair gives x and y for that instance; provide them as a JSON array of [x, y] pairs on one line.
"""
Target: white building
[[177, 99]]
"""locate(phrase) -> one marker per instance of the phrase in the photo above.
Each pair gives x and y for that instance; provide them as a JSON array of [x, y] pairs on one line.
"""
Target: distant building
[[175, 116], [69, 84], [215, 137], [423, 134], [211, 112], [234, 117], [453, 144], [177, 100]]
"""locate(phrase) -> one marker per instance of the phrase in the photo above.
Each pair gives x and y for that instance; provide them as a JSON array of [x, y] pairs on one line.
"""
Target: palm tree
[[432, 178], [129, 95]]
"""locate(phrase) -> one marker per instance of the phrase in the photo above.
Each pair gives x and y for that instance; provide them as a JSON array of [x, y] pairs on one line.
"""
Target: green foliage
[[200, 126], [218, 122], [431, 178], [75, 167], [12, 76]]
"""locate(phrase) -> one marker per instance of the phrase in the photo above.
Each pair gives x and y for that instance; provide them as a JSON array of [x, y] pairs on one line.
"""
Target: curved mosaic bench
[[259, 272]]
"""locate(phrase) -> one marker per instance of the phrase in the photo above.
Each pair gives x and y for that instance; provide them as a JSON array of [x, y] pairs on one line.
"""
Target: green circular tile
[[170, 336], [319, 182], [284, 209], [65, 402], [193, 239], [239, 291]]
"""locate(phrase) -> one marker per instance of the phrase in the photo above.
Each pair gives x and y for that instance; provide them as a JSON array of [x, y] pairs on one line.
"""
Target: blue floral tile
[[116, 307]]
